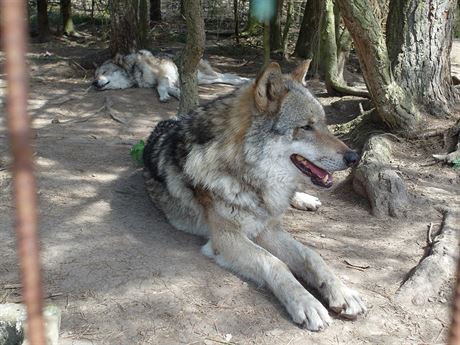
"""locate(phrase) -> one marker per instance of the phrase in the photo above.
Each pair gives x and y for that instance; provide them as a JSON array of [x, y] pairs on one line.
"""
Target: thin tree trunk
[[252, 22], [66, 14], [129, 23], [308, 41], [155, 10], [266, 38], [393, 104], [42, 20], [236, 20], [191, 56], [287, 26], [275, 27], [336, 47], [420, 59]]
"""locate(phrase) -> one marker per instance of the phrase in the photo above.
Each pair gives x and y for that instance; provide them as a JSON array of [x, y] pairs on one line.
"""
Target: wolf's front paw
[[344, 301], [165, 98], [305, 202], [307, 311]]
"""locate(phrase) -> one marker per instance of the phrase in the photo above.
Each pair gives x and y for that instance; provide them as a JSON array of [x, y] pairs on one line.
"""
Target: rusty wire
[[13, 31]]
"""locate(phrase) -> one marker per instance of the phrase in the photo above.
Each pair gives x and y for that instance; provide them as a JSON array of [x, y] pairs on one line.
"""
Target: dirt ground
[[122, 275]]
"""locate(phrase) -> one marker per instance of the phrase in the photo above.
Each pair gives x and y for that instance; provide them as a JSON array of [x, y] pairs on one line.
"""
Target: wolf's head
[[298, 126], [111, 76]]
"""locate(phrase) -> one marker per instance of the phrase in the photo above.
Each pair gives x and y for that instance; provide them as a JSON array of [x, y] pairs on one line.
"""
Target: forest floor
[[122, 275]]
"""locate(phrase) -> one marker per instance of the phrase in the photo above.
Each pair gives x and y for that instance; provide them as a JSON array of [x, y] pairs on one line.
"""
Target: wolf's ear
[[300, 72], [269, 88]]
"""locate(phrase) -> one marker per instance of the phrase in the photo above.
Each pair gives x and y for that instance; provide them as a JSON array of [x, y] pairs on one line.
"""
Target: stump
[[375, 179]]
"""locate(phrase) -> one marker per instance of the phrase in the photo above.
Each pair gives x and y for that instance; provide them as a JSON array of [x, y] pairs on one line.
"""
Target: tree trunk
[[275, 27], [420, 59], [266, 38], [252, 22], [155, 10], [393, 103], [308, 41], [287, 26], [335, 48], [129, 25], [191, 56], [236, 20], [42, 20], [66, 14]]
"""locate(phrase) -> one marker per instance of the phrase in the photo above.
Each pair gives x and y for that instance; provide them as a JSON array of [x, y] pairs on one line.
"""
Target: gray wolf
[[228, 170], [143, 69]]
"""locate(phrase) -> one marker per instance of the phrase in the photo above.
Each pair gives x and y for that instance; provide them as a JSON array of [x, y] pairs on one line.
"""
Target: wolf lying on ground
[[228, 170], [143, 69]]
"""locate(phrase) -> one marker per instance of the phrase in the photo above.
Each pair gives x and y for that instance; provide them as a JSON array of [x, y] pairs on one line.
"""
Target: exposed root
[[436, 267], [375, 179], [452, 141], [344, 90]]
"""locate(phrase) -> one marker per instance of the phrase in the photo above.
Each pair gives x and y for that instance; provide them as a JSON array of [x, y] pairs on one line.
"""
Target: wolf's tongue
[[318, 176], [317, 171]]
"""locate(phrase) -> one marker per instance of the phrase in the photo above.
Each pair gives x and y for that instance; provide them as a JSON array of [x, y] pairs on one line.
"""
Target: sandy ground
[[122, 275]]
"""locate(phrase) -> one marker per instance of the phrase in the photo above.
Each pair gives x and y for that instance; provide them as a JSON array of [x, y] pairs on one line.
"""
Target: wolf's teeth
[[325, 178]]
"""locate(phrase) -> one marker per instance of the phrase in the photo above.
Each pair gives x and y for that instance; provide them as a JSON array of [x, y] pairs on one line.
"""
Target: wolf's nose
[[95, 83], [351, 158]]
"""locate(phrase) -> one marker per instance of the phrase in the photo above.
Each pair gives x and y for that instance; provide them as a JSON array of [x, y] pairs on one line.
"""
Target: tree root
[[375, 179], [436, 267], [334, 86], [452, 141]]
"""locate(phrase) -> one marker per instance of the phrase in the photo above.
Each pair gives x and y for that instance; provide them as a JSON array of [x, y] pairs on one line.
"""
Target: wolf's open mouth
[[318, 176]]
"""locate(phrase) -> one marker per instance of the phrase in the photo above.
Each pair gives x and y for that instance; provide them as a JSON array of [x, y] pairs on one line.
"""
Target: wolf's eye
[[307, 128]]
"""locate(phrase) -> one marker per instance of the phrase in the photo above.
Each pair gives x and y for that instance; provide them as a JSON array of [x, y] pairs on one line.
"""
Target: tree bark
[[307, 43], [191, 56], [42, 20], [155, 10], [275, 27], [420, 58], [287, 26], [129, 25], [66, 14], [393, 104]]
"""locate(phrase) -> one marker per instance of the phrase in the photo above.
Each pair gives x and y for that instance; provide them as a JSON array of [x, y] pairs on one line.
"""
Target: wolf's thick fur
[[143, 69], [226, 171]]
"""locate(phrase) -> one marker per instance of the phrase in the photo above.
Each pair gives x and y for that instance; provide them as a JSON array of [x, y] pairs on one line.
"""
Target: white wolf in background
[[143, 69]]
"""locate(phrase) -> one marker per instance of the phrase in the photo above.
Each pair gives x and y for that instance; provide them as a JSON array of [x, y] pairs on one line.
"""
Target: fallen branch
[[436, 267]]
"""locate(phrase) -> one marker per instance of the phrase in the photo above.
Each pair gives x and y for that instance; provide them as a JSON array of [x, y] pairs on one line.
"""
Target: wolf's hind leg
[[308, 265], [231, 249]]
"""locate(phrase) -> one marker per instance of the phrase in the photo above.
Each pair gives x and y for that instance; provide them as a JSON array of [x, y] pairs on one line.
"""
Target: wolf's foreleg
[[174, 91], [308, 265], [232, 249], [305, 202], [163, 88]]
